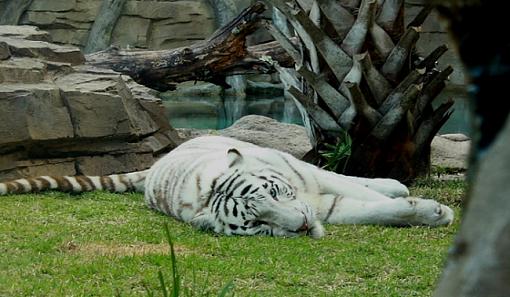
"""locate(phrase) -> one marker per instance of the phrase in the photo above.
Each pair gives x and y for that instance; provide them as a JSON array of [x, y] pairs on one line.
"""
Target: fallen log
[[225, 53]]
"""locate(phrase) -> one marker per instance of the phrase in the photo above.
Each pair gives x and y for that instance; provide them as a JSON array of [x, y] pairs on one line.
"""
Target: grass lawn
[[101, 244]]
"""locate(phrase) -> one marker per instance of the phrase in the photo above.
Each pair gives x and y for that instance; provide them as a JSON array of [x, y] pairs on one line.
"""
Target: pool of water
[[220, 112]]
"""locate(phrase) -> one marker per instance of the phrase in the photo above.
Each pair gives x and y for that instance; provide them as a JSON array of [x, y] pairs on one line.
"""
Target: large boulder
[[61, 117], [450, 151], [262, 131]]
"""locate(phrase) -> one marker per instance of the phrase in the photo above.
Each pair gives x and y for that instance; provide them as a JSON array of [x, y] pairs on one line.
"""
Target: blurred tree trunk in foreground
[[360, 86], [479, 261]]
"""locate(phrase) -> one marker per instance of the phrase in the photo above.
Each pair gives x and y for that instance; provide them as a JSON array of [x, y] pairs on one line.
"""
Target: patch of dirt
[[119, 250]]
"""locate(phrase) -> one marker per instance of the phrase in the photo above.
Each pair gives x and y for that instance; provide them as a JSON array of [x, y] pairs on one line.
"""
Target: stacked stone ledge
[[62, 117]]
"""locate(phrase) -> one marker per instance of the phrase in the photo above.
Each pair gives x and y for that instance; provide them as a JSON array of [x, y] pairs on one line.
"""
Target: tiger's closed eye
[[272, 192]]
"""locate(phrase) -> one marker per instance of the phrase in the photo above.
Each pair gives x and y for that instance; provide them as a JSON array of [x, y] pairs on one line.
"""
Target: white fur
[[74, 183], [185, 177]]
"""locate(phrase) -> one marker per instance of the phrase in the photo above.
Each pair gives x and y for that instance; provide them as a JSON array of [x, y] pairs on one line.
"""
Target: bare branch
[[420, 17], [339, 62], [394, 116], [378, 85], [431, 90], [355, 39], [396, 95], [431, 125], [389, 14], [280, 37], [224, 53], [335, 101], [341, 19], [104, 23], [430, 61], [398, 56], [382, 41], [13, 11], [319, 116], [362, 107]]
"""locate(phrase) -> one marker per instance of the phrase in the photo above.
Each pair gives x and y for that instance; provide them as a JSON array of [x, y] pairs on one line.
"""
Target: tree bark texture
[[479, 261], [361, 75], [13, 11], [101, 32], [224, 12]]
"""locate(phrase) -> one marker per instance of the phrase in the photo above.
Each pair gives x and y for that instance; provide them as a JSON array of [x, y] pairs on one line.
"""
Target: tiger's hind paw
[[429, 212]]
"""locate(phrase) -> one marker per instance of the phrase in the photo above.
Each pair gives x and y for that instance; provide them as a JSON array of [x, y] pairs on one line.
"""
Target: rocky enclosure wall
[[144, 24], [60, 117], [168, 24]]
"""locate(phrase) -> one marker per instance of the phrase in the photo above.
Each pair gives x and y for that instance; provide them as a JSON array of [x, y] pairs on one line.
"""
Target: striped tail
[[118, 183]]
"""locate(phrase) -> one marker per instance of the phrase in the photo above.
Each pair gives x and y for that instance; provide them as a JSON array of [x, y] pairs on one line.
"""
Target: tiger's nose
[[303, 227]]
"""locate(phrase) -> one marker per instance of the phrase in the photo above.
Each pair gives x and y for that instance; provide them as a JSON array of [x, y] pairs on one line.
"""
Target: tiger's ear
[[234, 157]]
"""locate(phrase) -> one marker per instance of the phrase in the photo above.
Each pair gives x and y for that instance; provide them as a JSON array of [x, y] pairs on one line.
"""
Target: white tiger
[[237, 188]]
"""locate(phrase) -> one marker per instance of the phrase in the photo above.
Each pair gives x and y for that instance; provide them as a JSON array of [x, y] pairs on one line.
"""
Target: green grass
[[100, 244]]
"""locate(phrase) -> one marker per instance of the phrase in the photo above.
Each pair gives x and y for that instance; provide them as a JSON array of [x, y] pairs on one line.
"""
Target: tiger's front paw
[[316, 230]]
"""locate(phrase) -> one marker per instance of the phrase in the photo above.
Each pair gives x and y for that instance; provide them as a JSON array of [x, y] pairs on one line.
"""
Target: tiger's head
[[249, 199]]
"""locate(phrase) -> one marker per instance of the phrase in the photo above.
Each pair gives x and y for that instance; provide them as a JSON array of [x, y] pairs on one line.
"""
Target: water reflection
[[218, 112], [459, 121], [222, 112]]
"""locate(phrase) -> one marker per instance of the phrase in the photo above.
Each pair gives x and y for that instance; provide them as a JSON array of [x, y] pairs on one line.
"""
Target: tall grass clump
[[177, 289]]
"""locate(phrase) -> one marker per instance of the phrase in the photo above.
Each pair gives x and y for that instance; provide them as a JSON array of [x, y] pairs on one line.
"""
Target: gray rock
[[5, 53], [63, 120], [451, 151], [190, 133], [262, 131], [131, 31], [25, 32], [456, 137], [270, 133], [193, 89], [53, 5], [62, 36], [32, 113], [145, 24], [43, 50], [38, 167], [109, 164], [22, 70], [264, 89]]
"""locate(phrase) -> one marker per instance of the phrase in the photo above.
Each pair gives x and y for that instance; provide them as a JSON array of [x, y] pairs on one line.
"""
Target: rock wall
[[60, 117], [144, 24], [157, 24]]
